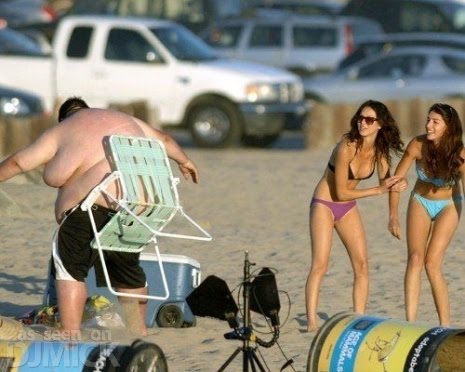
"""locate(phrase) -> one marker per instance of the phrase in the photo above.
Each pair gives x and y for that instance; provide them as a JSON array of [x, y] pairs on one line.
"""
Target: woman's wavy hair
[[444, 159], [388, 138]]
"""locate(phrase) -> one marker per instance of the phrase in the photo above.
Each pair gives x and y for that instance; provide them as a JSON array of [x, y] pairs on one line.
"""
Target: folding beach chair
[[149, 201]]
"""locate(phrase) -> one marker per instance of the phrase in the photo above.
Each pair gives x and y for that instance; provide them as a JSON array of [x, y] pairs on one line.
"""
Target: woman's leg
[[351, 231], [418, 229], [321, 231], [443, 229]]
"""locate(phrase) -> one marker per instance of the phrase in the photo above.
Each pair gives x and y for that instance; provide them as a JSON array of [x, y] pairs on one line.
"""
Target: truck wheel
[[260, 141], [215, 123], [170, 316]]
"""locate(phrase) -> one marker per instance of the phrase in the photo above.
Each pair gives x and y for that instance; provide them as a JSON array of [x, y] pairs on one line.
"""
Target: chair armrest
[[99, 189]]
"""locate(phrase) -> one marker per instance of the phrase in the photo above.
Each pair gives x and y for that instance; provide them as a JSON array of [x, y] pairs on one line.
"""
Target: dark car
[[411, 15], [16, 103], [195, 15], [16, 43], [300, 7], [382, 43], [17, 12]]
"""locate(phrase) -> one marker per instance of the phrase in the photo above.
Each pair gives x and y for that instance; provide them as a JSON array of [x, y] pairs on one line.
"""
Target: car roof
[[407, 36], [430, 51], [120, 20], [426, 50], [296, 18]]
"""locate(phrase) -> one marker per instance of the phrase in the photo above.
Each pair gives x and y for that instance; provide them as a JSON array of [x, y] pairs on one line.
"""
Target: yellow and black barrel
[[362, 343]]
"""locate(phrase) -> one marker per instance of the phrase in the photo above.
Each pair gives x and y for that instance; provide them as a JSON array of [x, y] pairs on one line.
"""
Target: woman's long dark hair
[[444, 159], [388, 138]]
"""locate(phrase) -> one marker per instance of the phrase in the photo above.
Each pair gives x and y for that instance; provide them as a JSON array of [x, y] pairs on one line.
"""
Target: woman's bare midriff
[[326, 188], [432, 192]]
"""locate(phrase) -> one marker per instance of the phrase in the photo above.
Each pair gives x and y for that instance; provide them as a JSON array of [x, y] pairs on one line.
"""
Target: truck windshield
[[183, 44]]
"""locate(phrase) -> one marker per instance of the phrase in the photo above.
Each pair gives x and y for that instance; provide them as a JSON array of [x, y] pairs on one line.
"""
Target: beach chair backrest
[[145, 170], [149, 194]]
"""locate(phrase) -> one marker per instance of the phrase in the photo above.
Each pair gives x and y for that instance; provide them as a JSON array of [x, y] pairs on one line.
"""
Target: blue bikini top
[[438, 182]]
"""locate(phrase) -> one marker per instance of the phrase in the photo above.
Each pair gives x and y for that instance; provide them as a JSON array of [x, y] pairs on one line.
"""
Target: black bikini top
[[332, 168]]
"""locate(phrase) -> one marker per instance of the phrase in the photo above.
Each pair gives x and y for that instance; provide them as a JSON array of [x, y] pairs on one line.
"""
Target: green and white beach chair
[[149, 201]]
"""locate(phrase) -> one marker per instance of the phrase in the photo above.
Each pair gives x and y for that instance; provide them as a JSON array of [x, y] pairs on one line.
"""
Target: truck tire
[[215, 123]]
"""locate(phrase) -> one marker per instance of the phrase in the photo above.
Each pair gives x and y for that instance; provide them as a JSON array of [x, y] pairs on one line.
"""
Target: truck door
[[134, 70], [74, 67], [124, 68]]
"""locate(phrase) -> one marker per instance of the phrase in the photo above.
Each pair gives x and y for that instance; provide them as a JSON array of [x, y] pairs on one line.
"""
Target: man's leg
[[72, 297], [134, 308]]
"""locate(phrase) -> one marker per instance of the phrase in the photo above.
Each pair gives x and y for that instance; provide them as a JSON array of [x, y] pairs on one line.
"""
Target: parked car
[[385, 42], [300, 7], [195, 15], [16, 12], [411, 15], [302, 44], [16, 43], [111, 60], [18, 103], [404, 72]]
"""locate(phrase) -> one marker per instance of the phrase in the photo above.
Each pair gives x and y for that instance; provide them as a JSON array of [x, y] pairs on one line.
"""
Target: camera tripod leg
[[230, 359], [249, 357], [255, 359]]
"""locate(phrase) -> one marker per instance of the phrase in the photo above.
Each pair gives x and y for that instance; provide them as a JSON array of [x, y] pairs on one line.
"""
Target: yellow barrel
[[362, 343]]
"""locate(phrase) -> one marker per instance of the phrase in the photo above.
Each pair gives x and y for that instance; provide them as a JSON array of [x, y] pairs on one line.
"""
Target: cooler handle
[[196, 278]]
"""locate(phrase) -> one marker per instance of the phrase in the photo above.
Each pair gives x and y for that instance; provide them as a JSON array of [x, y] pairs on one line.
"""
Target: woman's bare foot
[[312, 326]]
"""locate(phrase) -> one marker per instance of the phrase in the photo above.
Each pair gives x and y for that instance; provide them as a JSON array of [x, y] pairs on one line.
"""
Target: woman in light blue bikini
[[434, 208], [372, 137]]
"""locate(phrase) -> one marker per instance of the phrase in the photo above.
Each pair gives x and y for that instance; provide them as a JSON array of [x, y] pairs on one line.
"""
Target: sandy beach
[[249, 200]]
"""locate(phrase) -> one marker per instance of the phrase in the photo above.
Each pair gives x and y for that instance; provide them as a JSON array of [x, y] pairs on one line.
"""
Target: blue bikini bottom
[[435, 207]]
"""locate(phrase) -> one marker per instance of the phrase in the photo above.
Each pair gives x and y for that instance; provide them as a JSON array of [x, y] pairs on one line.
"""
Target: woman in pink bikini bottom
[[366, 147]]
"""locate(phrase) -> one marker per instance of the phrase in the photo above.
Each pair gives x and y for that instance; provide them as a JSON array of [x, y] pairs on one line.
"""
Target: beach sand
[[249, 200]]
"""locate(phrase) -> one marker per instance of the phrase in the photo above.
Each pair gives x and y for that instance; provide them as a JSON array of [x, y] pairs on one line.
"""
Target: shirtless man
[[74, 162]]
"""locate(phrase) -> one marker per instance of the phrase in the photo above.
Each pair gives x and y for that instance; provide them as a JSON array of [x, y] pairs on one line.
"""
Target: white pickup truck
[[115, 60]]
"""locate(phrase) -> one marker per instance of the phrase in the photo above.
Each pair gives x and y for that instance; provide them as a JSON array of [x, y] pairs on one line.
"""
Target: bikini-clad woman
[[434, 208], [367, 146]]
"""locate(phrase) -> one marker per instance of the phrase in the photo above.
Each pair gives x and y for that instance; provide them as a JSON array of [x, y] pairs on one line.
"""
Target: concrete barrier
[[325, 124], [328, 122], [17, 133]]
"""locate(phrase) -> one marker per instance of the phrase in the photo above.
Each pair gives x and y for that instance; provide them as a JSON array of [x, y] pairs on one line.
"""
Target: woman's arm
[[462, 172], [344, 155], [412, 153]]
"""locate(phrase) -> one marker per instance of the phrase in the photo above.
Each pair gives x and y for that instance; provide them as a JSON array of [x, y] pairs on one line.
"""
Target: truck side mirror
[[153, 57]]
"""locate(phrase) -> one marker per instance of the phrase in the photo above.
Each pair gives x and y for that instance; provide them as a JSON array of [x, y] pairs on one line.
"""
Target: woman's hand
[[394, 227], [394, 183], [400, 185]]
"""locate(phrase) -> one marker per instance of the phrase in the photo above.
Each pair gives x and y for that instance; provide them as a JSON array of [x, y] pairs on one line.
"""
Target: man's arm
[[30, 157], [174, 151]]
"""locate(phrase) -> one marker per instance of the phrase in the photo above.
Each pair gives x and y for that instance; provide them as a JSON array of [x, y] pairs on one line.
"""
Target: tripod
[[249, 357]]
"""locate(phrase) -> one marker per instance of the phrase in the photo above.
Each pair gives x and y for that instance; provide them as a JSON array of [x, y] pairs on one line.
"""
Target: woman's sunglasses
[[369, 120]]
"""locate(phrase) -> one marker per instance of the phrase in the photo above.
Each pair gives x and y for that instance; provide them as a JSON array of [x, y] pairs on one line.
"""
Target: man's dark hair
[[70, 106]]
